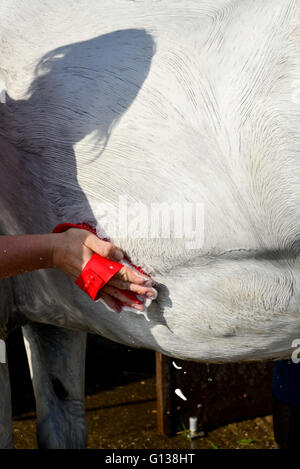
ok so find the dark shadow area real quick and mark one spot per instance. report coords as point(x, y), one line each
point(79, 90)
point(108, 364)
point(217, 394)
point(23, 418)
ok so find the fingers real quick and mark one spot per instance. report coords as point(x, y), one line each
point(138, 289)
point(79, 247)
point(104, 248)
point(128, 275)
point(118, 295)
point(111, 302)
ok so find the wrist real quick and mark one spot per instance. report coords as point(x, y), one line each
point(47, 247)
point(52, 257)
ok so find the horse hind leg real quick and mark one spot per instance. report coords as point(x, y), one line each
point(57, 363)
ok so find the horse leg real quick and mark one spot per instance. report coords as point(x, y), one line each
point(57, 362)
point(6, 436)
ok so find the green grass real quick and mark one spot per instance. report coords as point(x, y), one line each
point(245, 441)
point(212, 444)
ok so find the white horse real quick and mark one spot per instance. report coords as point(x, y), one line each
point(182, 104)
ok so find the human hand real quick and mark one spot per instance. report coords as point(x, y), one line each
point(72, 249)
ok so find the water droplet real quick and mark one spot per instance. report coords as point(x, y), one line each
point(176, 366)
point(180, 394)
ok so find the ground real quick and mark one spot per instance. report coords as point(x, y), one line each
point(125, 417)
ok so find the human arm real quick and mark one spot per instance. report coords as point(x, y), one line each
point(69, 252)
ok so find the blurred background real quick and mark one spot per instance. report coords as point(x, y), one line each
point(131, 400)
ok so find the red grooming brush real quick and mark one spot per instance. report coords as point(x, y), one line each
point(99, 270)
